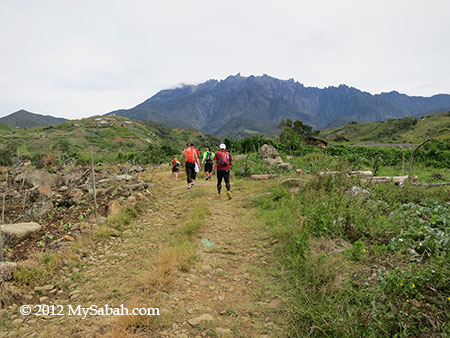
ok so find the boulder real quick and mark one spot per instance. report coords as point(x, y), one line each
point(267, 151)
point(197, 320)
point(37, 210)
point(35, 178)
point(40, 193)
point(16, 233)
point(113, 208)
point(7, 270)
point(284, 166)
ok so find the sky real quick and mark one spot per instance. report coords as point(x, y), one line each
point(78, 58)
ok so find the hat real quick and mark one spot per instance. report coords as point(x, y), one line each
point(223, 146)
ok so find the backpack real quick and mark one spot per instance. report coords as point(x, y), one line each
point(209, 158)
point(223, 159)
point(190, 156)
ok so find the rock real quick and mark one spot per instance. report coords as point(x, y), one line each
point(113, 208)
point(35, 178)
point(7, 270)
point(37, 210)
point(69, 238)
point(47, 287)
point(76, 195)
point(240, 157)
point(43, 299)
point(223, 331)
point(197, 320)
point(17, 322)
point(275, 303)
point(269, 152)
point(15, 233)
point(357, 191)
point(85, 227)
point(206, 267)
point(131, 200)
point(284, 166)
point(40, 193)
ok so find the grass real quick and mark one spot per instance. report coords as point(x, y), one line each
point(343, 276)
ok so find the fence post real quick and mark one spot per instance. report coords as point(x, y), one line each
point(93, 184)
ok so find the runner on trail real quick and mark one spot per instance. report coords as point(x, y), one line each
point(208, 159)
point(223, 161)
point(191, 157)
point(197, 167)
point(175, 168)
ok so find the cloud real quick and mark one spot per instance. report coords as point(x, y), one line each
point(79, 58)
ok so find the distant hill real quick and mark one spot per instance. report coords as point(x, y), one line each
point(25, 119)
point(242, 106)
point(106, 135)
point(406, 130)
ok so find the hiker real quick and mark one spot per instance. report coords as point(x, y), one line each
point(208, 160)
point(175, 168)
point(197, 166)
point(191, 157)
point(223, 161)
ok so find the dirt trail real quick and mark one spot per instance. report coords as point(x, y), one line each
point(204, 262)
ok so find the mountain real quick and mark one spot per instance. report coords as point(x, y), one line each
point(406, 130)
point(257, 104)
point(25, 119)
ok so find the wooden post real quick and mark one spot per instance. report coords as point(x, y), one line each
point(412, 156)
point(93, 184)
point(403, 161)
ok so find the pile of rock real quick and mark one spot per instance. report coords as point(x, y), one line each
point(272, 157)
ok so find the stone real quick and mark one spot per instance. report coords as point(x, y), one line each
point(43, 299)
point(47, 287)
point(206, 267)
point(35, 178)
point(223, 331)
point(7, 270)
point(131, 200)
point(197, 320)
point(113, 208)
point(76, 195)
point(69, 238)
point(37, 210)
point(267, 151)
point(16, 233)
point(40, 193)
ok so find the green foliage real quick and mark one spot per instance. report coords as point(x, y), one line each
point(367, 287)
point(9, 152)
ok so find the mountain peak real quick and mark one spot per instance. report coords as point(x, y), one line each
point(25, 119)
point(259, 103)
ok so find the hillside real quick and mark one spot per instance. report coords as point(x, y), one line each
point(108, 136)
point(259, 103)
point(25, 119)
point(406, 130)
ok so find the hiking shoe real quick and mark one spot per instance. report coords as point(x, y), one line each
point(229, 195)
point(219, 196)
point(189, 187)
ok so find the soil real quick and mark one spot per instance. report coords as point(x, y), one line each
point(229, 290)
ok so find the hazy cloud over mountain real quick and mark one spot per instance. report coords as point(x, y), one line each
point(79, 58)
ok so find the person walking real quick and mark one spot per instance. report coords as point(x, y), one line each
point(223, 162)
point(208, 160)
point(175, 168)
point(191, 158)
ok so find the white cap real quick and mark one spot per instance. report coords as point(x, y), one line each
point(223, 146)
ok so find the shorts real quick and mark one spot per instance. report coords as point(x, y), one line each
point(175, 169)
point(208, 167)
